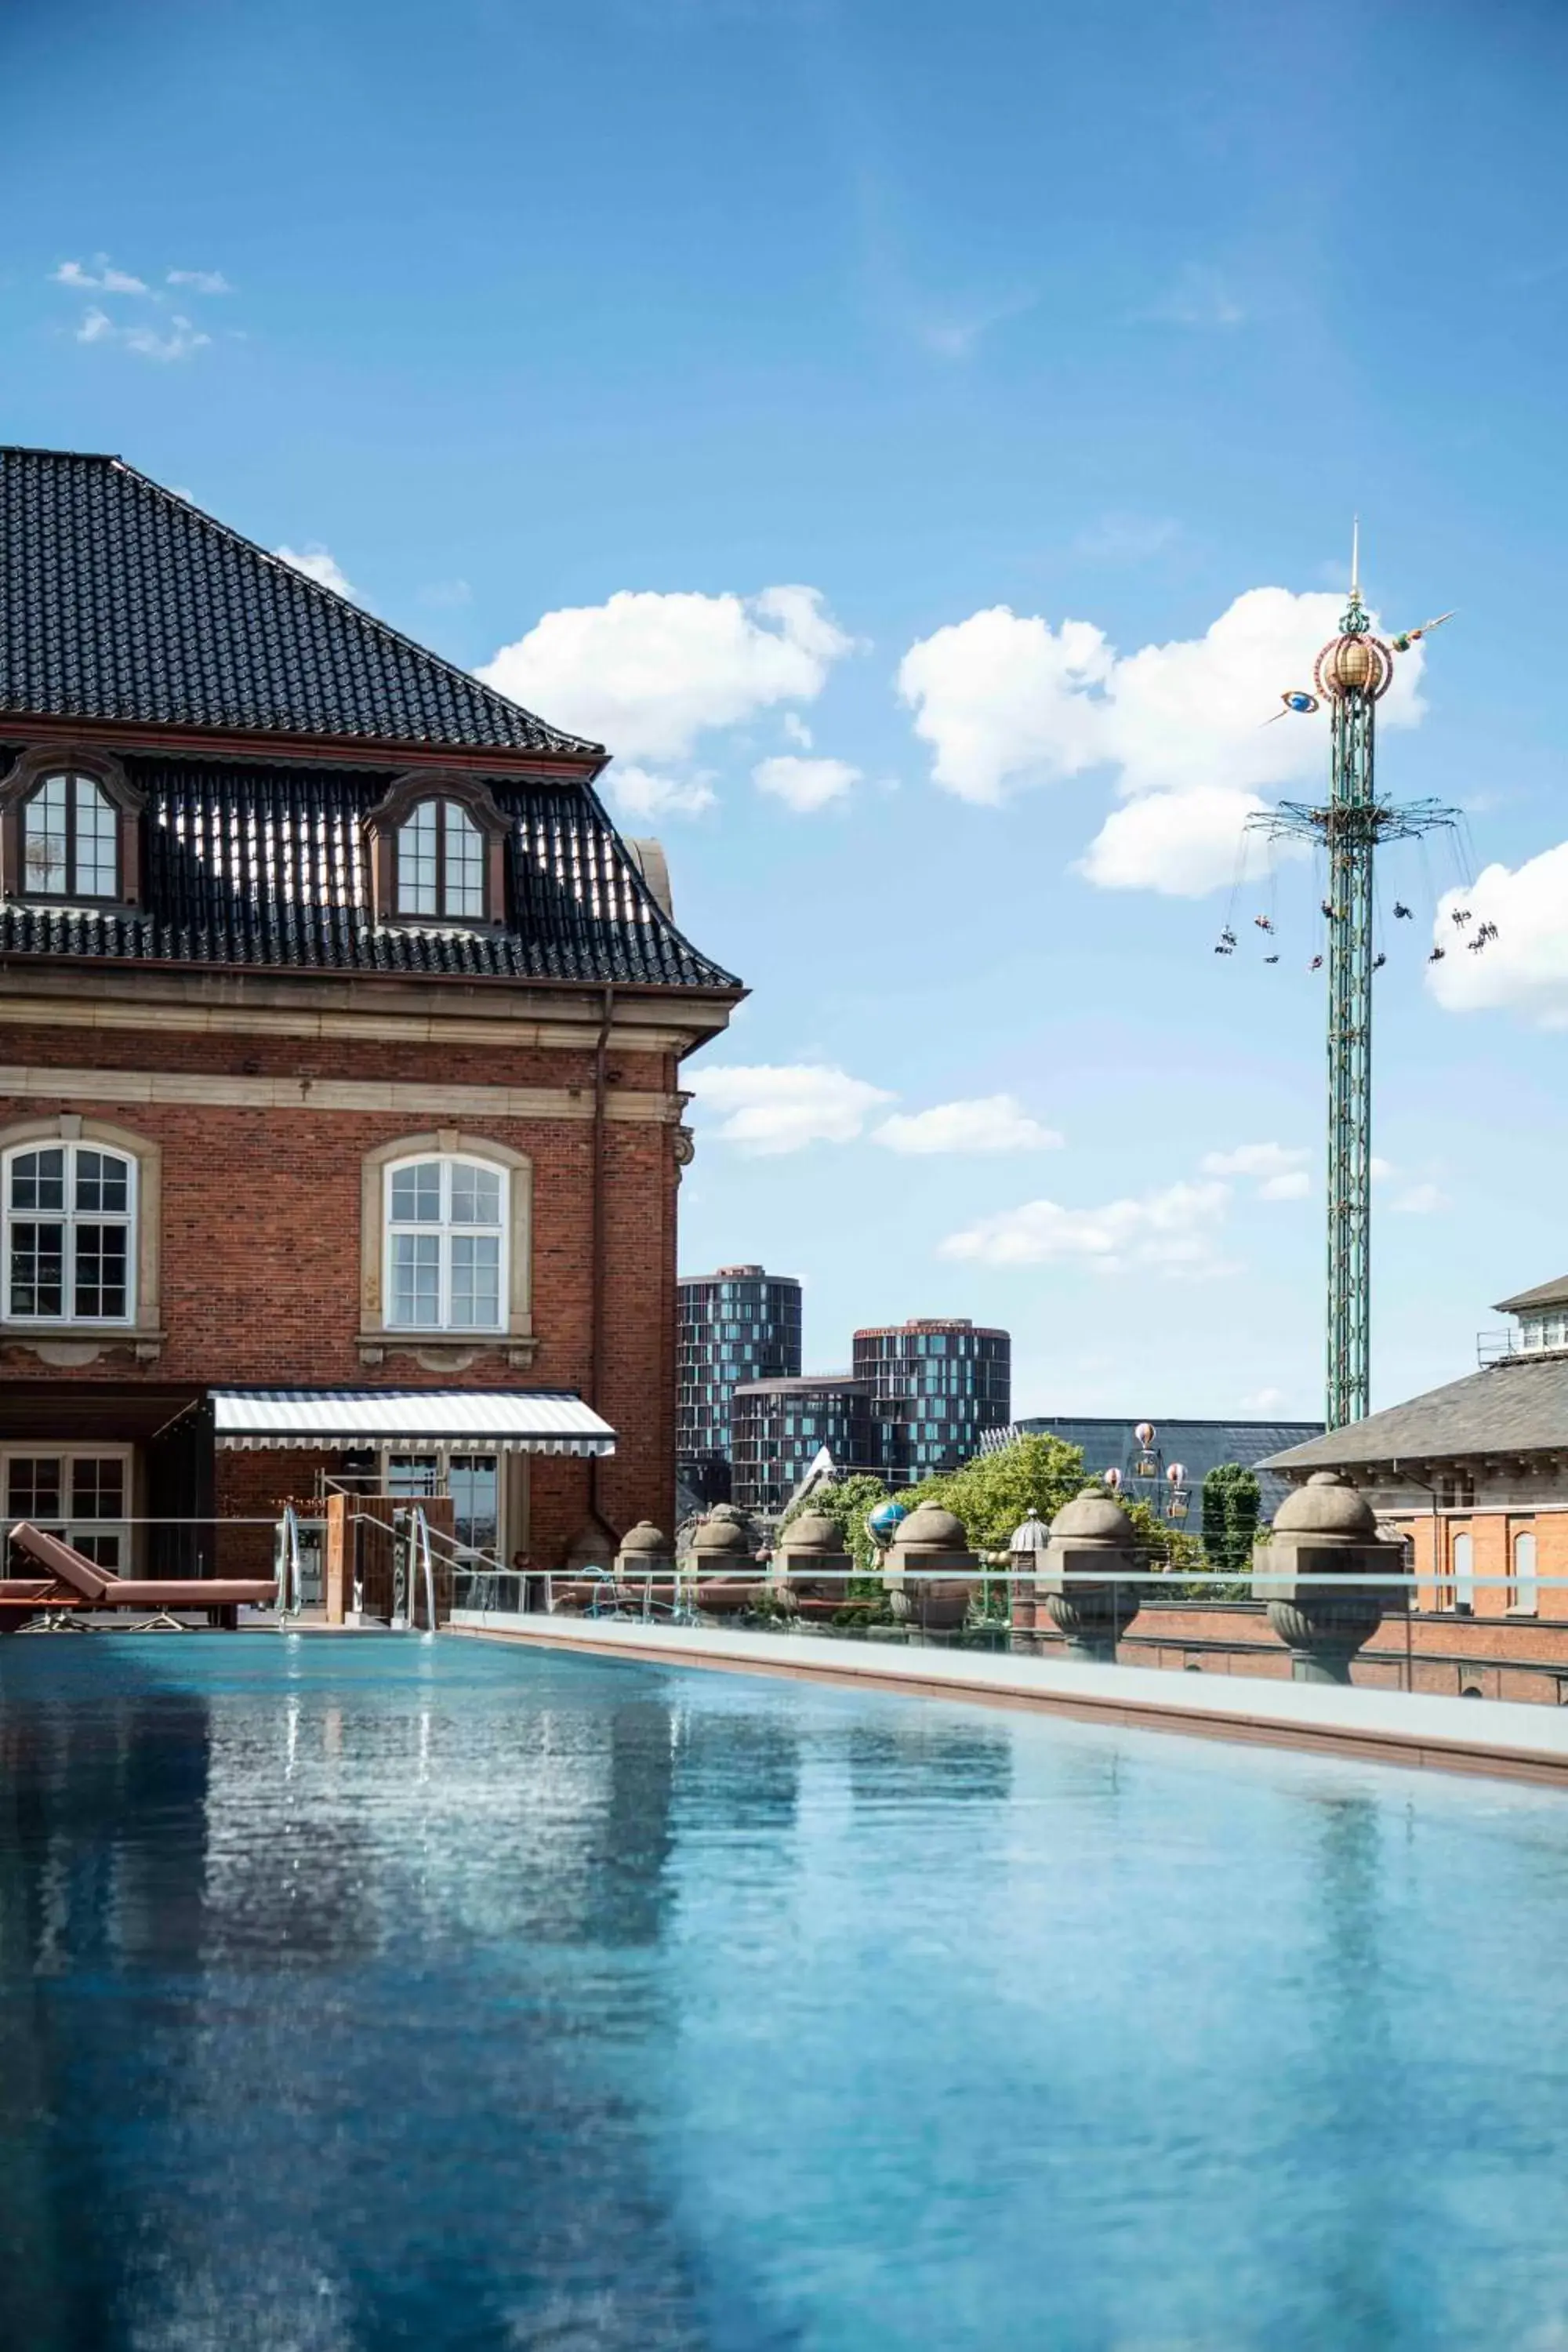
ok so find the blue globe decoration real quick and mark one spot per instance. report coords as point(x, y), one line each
point(882, 1524)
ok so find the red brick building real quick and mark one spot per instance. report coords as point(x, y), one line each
point(340, 1057)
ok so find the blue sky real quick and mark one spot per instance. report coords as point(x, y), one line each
point(837, 404)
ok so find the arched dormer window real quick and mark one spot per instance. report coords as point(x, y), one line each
point(440, 861)
point(71, 830)
point(436, 846)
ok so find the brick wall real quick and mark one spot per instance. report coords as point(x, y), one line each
point(260, 1246)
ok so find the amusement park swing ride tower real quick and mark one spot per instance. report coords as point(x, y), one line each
point(1353, 672)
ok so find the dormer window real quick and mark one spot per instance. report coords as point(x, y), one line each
point(71, 847)
point(71, 829)
point(438, 851)
point(441, 863)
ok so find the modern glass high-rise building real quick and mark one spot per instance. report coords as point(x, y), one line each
point(937, 1386)
point(781, 1426)
point(736, 1325)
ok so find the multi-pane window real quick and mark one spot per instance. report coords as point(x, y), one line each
point(70, 845)
point(440, 862)
point(446, 1246)
point(68, 1215)
point(77, 1495)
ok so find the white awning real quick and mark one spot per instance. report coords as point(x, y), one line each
point(478, 1420)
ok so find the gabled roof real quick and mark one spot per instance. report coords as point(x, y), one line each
point(1545, 1294)
point(259, 864)
point(120, 602)
point(1517, 1406)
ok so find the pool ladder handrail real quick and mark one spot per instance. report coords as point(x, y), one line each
point(290, 1575)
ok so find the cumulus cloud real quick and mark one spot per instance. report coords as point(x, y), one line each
point(1279, 1171)
point(96, 326)
point(317, 562)
point(101, 277)
point(647, 673)
point(1006, 701)
point(200, 281)
point(178, 343)
point(985, 1123)
point(639, 793)
point(1525, 968)
point(1420, 1201)
point(805, 785)
point(1174, 1230)
point(768, 1109)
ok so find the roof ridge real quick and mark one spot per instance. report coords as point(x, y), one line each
point(292, 573)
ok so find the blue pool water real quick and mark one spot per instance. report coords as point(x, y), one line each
point(376, 1992)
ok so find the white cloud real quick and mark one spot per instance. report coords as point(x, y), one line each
point(1199, 298)
point(1007, 701)
point(805, 785)
point(180, 342)
point(647, 673)
point(101, 278)
point(1525, 967)
point(1382, 1170)
point(317, 562)
point(985, 1123)
point(95, 326)
point(1180, 843)
point(1174, 1230)
point(1294, 1187)
point(639, 793)
point(767, 1109)
point(795, 731)
point(201, 281)
point(1420, 1201)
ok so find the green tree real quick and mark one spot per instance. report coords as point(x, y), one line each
point(996, 1492)
point(1231, 1507)
point(845, 1502)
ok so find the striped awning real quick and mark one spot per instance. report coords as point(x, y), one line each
point(476, 1421)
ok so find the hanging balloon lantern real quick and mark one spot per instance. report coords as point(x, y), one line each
point(1113, 1480)
point(1144, 1433)
point(1176, 1476)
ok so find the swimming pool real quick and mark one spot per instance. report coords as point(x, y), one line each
point(370, 1991)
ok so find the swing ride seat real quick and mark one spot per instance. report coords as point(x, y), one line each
point(79, 1582)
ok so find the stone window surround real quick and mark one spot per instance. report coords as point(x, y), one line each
point(127, 802)
point(447, 1351)
point(384, 822)
point(66, 1345)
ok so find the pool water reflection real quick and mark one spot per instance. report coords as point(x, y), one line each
point(371, 1993)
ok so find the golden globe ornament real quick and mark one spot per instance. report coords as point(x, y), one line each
point(1354, 664)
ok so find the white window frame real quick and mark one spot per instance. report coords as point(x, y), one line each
point(444, 1232)
point(67, 1452)
point(1524, 1591)
point(129, 1218)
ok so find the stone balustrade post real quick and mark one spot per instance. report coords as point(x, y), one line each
point(1081, 1580)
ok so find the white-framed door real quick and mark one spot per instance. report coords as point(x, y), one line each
point(81, 1492)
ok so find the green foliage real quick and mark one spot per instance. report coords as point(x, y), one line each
point(845, 1502)
point(1232, 1501)
point(996, 1492)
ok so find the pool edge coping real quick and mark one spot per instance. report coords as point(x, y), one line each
point(1413, 1751)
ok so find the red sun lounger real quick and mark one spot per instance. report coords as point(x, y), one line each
point(88, 1586)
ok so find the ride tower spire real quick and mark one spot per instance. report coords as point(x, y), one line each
point(1352, 673)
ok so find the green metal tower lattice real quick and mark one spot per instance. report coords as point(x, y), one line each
point(1353, 672)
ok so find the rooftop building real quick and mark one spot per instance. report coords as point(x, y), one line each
point(736, 1326)
point(938, 1384)
point(781, 1426)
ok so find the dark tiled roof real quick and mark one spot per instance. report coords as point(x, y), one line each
point(1545, 1294)
point(264, 866)
point(1517, 1406)
point(120, 602)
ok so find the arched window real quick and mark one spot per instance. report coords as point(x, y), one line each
point(70, 839)
point(1524, 1585)
point(446, 1221)
point(440, 863)
point(69, 1213)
